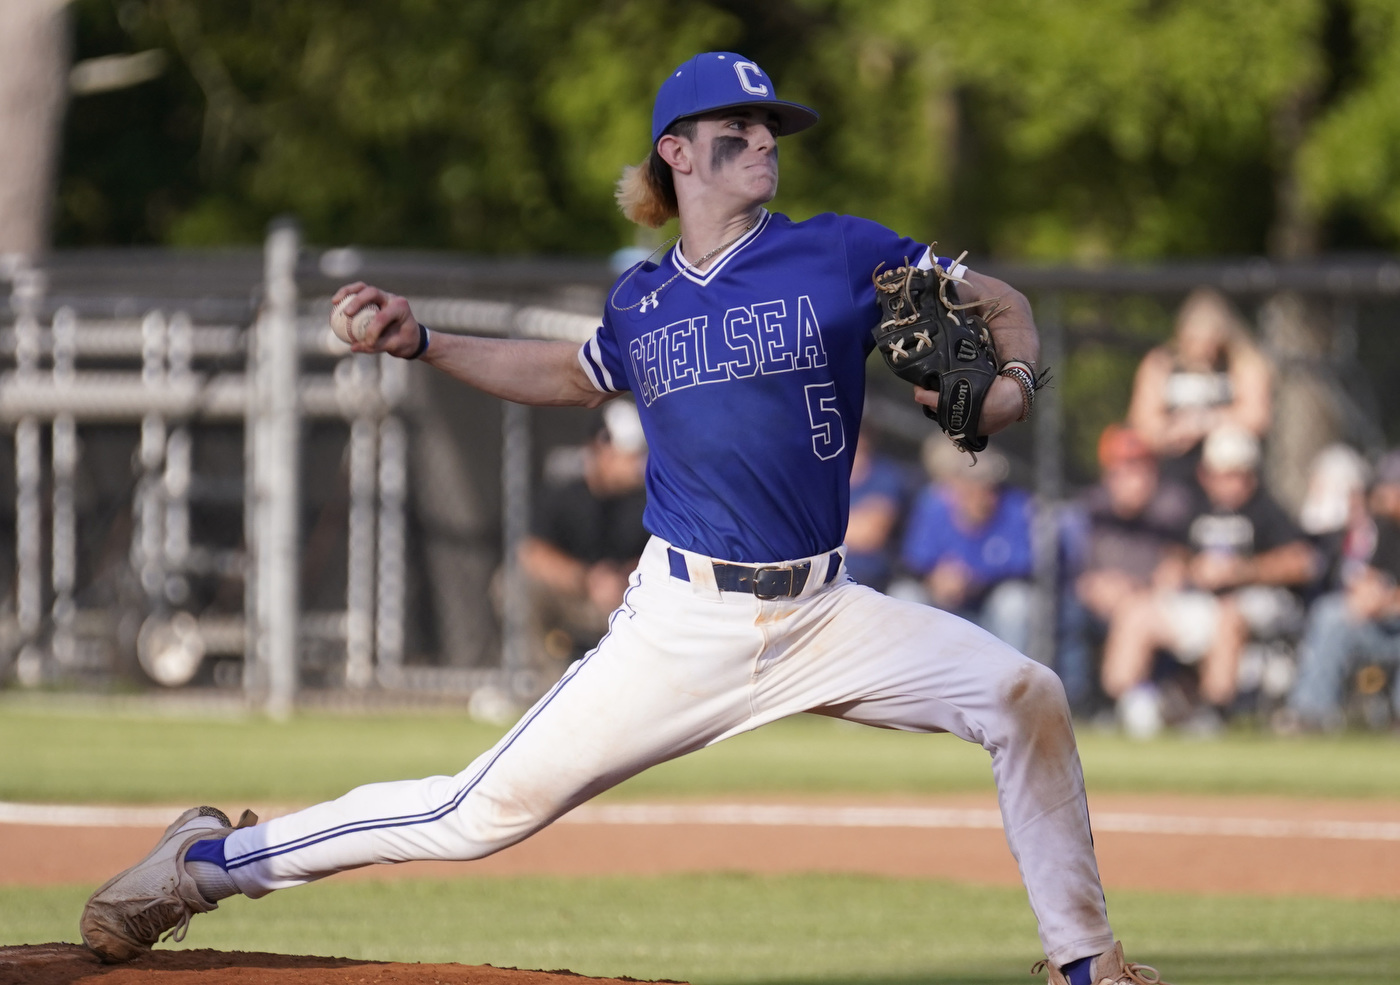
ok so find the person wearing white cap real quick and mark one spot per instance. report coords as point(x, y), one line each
point(1246, 563)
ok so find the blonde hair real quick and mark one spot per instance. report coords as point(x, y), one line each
point(646, 192)
point(1235, 335)
point(645, 195)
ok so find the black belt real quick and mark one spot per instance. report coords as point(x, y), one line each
point(764, 581)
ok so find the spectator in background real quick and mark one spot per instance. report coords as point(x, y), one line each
point(968, 538)
point(1334, 512)
point(1211, 374)
point(1132, 538)
point(1247, 562)
point(586, 538)
point(878, 495)
point(1137, 524)
point(1360, 623)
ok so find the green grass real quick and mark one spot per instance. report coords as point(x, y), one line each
point(709, 929)
point(76, 756)
point(716, 929)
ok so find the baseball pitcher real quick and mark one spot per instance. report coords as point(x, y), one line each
point(744, 343)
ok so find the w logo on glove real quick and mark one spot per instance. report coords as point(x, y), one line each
point(930, 340)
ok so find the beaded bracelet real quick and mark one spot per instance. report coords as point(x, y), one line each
point(1021, 373)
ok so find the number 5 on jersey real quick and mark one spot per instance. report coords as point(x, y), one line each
point(828, 436)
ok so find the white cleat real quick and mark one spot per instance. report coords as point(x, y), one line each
point(129, 913)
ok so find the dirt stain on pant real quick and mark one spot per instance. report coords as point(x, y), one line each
point(1035, 701)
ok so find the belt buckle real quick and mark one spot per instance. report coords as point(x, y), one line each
point(767, 588)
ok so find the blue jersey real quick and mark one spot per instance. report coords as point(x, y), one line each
point(750, 380)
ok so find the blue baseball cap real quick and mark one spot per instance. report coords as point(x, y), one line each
point(722, 80)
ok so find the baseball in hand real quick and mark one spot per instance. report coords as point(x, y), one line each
point(352, 330)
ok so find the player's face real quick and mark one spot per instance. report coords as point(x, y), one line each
point(737, 151)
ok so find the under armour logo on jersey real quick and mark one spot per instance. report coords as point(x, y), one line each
point(749, 74)
point(652, 300)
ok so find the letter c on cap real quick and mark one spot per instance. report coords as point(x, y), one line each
point(748, 74)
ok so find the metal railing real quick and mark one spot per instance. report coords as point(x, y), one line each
point(166, 349)
point(153, 378)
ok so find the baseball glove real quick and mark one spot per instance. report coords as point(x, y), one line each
point(931, 340)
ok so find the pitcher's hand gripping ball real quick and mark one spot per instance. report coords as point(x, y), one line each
point(931, 340)
point(351, 330)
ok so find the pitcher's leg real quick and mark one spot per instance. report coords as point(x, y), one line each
point(628, 705)
point(902, 665)
point(436, 817)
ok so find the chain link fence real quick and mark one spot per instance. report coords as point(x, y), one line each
point(200, 487)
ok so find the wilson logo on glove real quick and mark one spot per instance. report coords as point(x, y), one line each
point(958, 406)
point(953, 355)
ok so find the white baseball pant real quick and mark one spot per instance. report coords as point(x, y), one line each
point(684, 666)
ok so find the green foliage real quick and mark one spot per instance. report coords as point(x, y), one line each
point(1354, 156)
point(1111, 128)
point(1063, 129)
point(424, 124)
point(725, 928)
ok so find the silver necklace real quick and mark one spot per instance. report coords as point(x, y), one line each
point(612, 298)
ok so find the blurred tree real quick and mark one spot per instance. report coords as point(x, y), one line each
point(1056, 129)
point(1128, 128)
point(33, 85)
point(129, 163)
point(1351, 159)
point(384, 123)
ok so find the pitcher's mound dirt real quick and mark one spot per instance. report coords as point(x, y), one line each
point(73, 964)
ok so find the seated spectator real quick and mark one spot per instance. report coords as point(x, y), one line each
point(1210, 374)
point(586, 538)
point(1358, 624)
point(878, 494)
point(1136, 523)
point(968, 538)
point(1247, 562)
point(1334, 512)
point(1133, 536)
